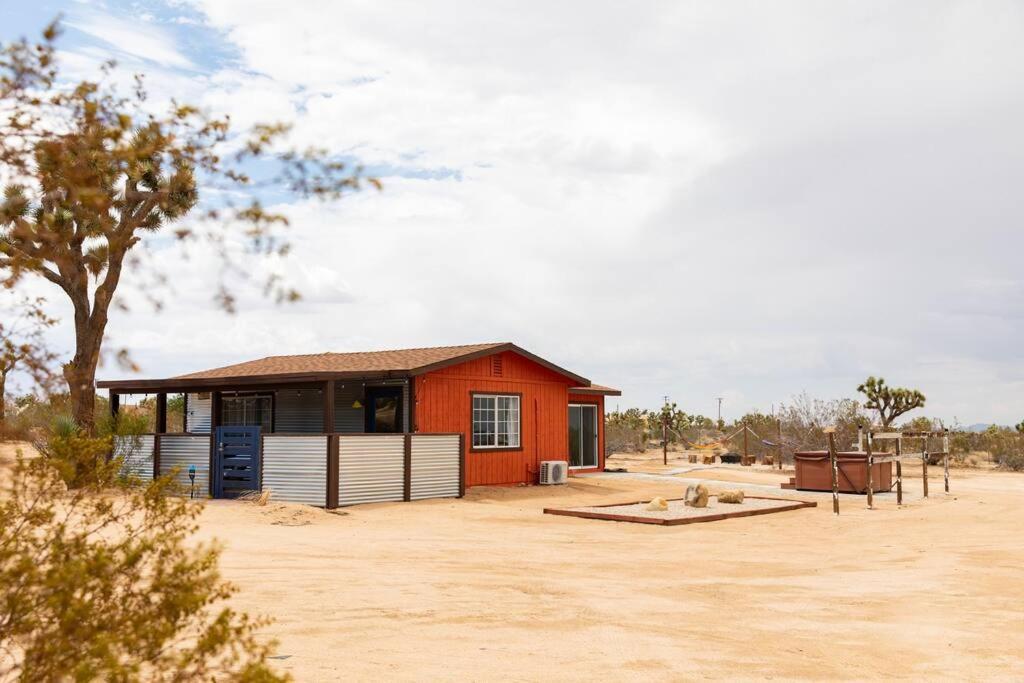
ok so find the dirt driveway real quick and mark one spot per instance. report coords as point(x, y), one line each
point(488, 588)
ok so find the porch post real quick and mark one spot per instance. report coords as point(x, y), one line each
point(115, 404)
point(161, 428)
point(214, 423)
point(214, 410)
point(161, 413)
point(328, 390)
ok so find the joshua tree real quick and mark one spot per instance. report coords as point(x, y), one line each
point(890, 402)
point(91, 173)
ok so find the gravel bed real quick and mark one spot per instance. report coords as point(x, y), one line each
point(677, 510)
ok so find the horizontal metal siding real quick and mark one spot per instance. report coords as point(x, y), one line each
point(299, 411)
point(137, 451)
point(197, 420)
point(435, 466)
point(371, 469)
point(349, 420)
point(183, 451)
point(295, 468)
point(346, 418)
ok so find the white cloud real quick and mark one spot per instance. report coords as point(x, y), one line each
point(675, 198)
point(138, 37)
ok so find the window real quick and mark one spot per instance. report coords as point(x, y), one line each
point(243, 411)
point(495, 421)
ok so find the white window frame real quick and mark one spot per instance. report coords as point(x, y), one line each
point(516, 408)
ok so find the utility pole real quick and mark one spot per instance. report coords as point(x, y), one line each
point(720, 399)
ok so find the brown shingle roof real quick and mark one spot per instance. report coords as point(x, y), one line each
point(595, 389)
point(400, 360)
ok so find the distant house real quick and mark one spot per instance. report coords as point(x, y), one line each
point(379, 417)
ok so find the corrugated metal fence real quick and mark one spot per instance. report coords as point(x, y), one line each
point(183, 451)
point(301, 468)
point(435, 463)
point(371, 468)
point(295, 468)
point(137, 452)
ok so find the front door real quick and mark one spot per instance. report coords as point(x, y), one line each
point(237, 461)
point(582, 435)
point(384, 410)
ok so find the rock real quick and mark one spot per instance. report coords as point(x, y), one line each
point(733, 497)
point(658, 504)
point(697, 496)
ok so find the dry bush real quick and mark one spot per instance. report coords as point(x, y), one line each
point(804, 420)
point(102, 581)
point(1004, 445)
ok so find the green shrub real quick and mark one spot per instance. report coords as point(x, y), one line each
point(106, 584)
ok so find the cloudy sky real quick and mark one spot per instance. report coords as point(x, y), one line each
point(735, 199)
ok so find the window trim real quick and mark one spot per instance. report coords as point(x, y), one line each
point(598, 425)
point(495, 449)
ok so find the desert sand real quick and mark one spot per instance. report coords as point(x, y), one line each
point(489, 588)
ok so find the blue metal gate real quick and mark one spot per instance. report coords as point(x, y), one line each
point(237, 465)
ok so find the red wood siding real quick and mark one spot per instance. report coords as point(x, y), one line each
point(598, 401)
point(443, 404)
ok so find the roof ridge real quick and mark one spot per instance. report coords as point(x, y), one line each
point(347, 353)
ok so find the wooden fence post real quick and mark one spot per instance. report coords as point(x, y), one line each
point(746, 448)
point(945, 458)
point(664, 440)
point(833, 462)
point(924, 465)
point(869, 461)
point(333, 470)
point(407, 466)
point(899, 472)
point(778, 428)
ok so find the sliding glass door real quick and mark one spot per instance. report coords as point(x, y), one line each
point(582, 435)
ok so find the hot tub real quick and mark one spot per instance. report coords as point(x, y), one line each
point(814, 472)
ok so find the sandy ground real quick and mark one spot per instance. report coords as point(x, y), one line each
point(488, 588)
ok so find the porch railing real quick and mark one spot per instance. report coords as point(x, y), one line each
point(317, 469)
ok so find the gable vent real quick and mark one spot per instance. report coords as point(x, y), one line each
point(496, 366)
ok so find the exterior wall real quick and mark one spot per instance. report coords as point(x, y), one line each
point(588, 399)
point(197, 416)
point(349, 420)
point(444, 404)
point(300, 411)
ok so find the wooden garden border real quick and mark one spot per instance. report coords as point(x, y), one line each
point(794, 505)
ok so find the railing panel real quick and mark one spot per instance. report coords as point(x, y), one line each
point(137, 452)
point(295, 468)
point(371, 468)
point(435, 466)
point(183, 451)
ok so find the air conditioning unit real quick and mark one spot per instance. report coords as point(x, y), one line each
point(554, 471)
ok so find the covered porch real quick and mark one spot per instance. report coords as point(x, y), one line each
point(328, 441)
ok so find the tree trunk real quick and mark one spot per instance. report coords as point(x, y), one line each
point(3, 402)
point(80, 374)
point(90, 326)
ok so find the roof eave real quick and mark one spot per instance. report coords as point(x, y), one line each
point(596, 391)
point(187, 383)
